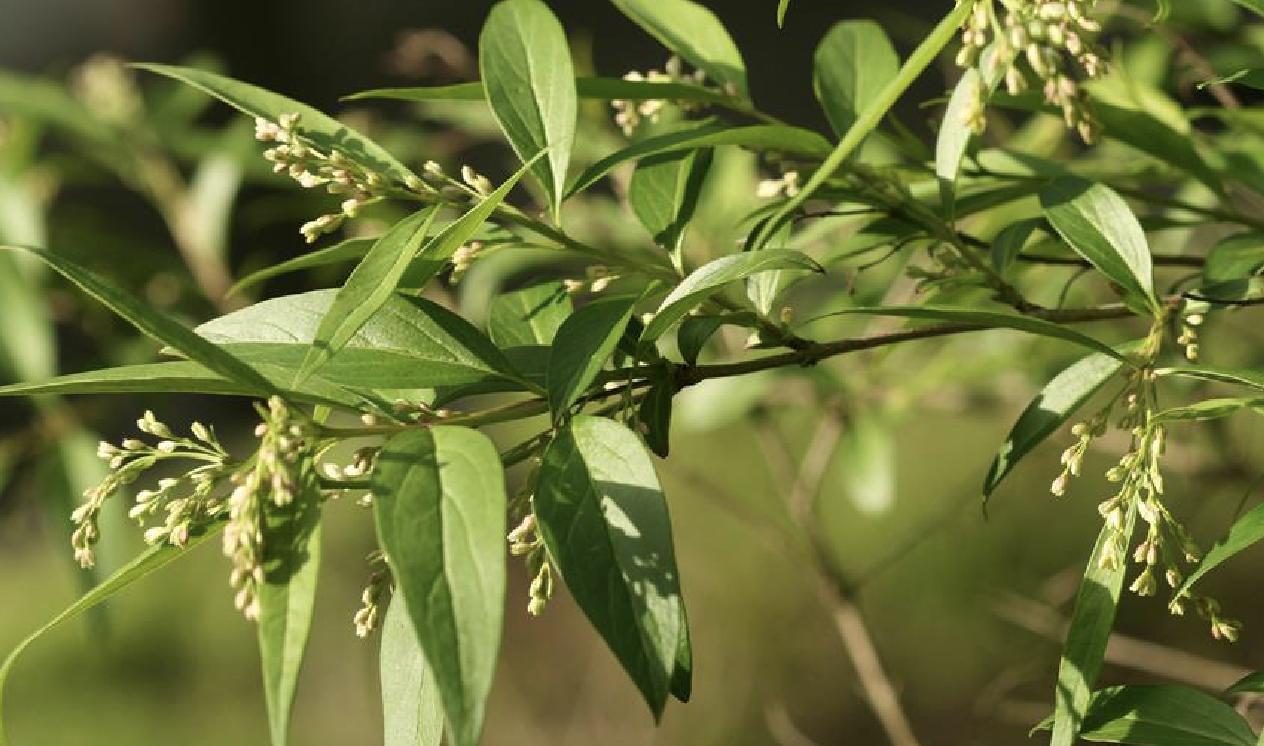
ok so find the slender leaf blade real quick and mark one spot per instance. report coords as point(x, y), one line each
point(604, 519)
point(1162, 715)
point(693, 32)
point(343, 251)
point(412, 710)
point(584, 343)
point(439, 504)
point(852, 64)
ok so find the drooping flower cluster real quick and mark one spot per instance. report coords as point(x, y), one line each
point(1167, 547)
point(630, 114)
point(270, 484)
point(188, 501)
point(338, 173)
point(369, 615)
point(525, 541)
point(1056, 40)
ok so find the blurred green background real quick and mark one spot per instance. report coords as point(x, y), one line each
point(165, 194)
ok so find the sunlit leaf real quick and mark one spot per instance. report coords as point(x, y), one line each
point(584, 343)
point(412, 710)
point(693, 32)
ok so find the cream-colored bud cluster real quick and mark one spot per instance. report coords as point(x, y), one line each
point(1056, 40)
point(1167, 548)
point(629, 115)
point(525, 541)
point(369, 615)
point(1189, 335)
point(787, 185)
point(337, 172)
point(270, 484)
point(596, 279)
point(187, 500)
point(463, 258)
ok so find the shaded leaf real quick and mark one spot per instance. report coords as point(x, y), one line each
point(664, 193)
point(154, 323)
point(693, 32)
point(1009, 243)
point(343, 251)
point(971, 317)
point(954, 136)
point(324, 131)
point(530, 316)
point(655, 411)
point(852, 64)
point(1234, 258)
point(696, 330)
point(711, 277)
point(1162, 715)
point(584, 343)
point(790, 140)
point(1245, 532)
point(603, 516)
point(1052, 407)
point(439, 505)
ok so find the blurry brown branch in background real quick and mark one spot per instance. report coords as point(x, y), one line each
point(834, 589)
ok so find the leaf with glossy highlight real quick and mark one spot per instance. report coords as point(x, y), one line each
point(412, 710)
point(693, 32)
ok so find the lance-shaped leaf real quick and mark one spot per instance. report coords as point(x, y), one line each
point(409, 343)
point(526, 69)
point(154, 323)
point(530, 316)
point(696, 330)
point(954, 136)
point(782, 8)
point(853, 63)
point(790, 140)
point(323, 130)
point(1249, 684)
point(1162, 715)
point(440, 249)
point(1091, 622)
point(655, 412)
point(181, 376)
point(1053, 406)
point(1234, 258)
point(584, 343)
point(603, 516)
point(412, 710)
point(1256, 6)
point(708, 279)
point(151, 560)
point(1245, 532)
point(601, 89)
point(693, 32)
point(664, 192)
point(287, 596)
point(1210, 409)
point(343, 251)
point(974, 318)
point(370, 285)
point(1009, 243)
point(439, 504)
point(1249, 378)
point(1099, 226)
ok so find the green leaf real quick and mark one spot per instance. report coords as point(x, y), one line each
point(1249, 684)
point(1255, 6)
point(708, 279)
point(782, 7)
point(853, 63)
point(530, 316)
point(664, 193)
point(790, 140)
point(181, 377)
point(1091, 623)
point(1249, 378)
point(409, 343)
point(603, 89)
point(439, 504)
point(324, 131)
point(367, 289)
point(603, 516)
point(694, 331)
point(1099, 226)
point(343, 251)
point(1245, 532)
point(530, 83)
point(438, 250)
point(584, 343)
point(149, 561)
point(954, 136)
point(1009, 243)
point(1209, 409)
point(971, 317)
point(1053, 406)
point(287, 595)
point(1162, 715)
point(155, 324)
point(655, 411)
point(1142, 130)
point(693, 32)
point(1234, 258)
point(412, 710)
